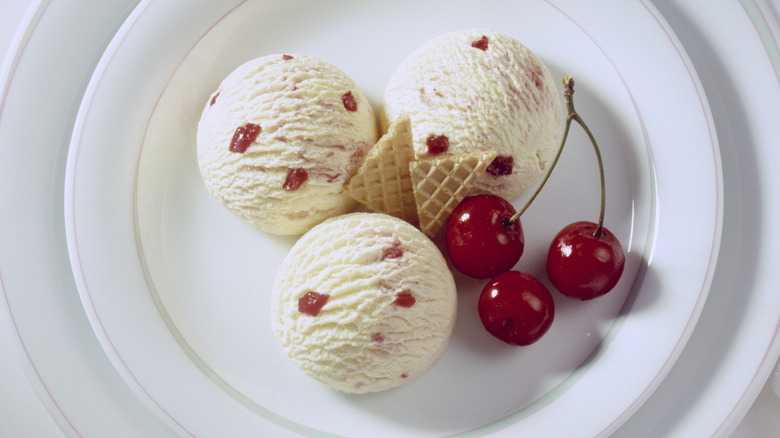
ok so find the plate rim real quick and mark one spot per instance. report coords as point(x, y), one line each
point(29, 46)
point(742, 404)
point(718, 220)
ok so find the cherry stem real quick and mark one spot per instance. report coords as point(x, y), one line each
point(568, 93)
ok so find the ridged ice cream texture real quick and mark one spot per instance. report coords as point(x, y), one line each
point(362, 341)
point(502, 99)
point(297, 102)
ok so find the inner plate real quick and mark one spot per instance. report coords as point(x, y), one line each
point(177, 288)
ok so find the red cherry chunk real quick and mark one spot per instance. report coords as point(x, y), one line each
point(404, 299)
point(393, 252)
point(516, 308)
point(243, 137)
point(311, 303)
point(214, 99)
point(350, 104)
point(583, 265)
point(295, 179)
point(481, 44)
point(287, 57)
point(437, 144)
point(479, 242)
point(501, 165)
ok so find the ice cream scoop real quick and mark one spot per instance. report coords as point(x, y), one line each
point(364, 302)
point(280, 137)
point(479, 90)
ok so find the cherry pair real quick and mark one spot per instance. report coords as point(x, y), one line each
point(485, 239)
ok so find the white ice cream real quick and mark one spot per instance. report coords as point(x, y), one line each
point(315, 127)
point(390, 303)
point(497, 95)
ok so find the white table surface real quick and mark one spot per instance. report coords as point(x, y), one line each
point(23, 415)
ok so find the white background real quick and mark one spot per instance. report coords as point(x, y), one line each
point(23, 415)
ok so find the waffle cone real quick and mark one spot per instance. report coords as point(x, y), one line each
point(440, 183)
point(382, 183)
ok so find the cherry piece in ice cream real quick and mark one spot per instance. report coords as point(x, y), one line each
point(437, 144)
point(350, 104)
point(481, 44)
point(535, 77)
point(295, 179)
point(501, 165)
point(393, 252)
point(243, 137)
point(404, 299)
point(311, 303)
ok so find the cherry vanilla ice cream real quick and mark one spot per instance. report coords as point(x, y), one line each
point(280, 137)
point(364, 302)
point(478, 90)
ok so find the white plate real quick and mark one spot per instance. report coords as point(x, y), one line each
point(43, 80)
point(706, 393)
point(737, 340)
point(176, 288)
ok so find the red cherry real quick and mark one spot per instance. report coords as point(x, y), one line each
point(349, 101)
point(480, 243)
point(516, 308)
point(583, 265)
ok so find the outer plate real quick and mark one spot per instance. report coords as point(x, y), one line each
point(736, 343)
point(42, 82)
point(191, 336)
